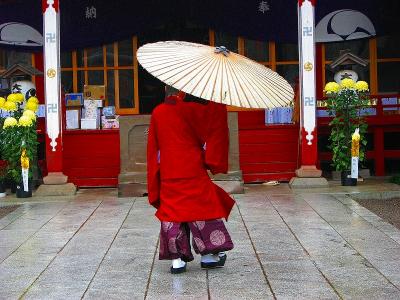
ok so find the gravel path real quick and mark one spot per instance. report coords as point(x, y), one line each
point(388, 210)
point(5, 210)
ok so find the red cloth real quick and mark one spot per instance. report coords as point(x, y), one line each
point(178, 182)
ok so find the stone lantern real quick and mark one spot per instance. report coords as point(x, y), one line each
point(344, 64)
point(19, 77)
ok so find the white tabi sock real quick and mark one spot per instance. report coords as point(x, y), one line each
point(209, 258)
point(178, 263)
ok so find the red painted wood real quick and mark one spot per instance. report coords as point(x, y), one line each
point(391, 153)
point(94, 182)
point(92, 157)
point(319, 68)
point(268, 148)
point(313, 2)
point(269, 167)
point(45, 5)
point(258, 136)
point(251, 118)
point(383, 121)
point(95, 161)
point(249, 178)
point(267, 152)
point(39, 80)
point(272, 157)
point(309, 152)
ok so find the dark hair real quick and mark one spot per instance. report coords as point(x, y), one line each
point(169, 91)
point(191, 98)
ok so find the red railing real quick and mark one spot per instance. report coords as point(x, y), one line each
point(382, 115)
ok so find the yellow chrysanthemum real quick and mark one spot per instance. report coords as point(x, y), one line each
point(347, 83)
point(12, 98)
point(2, 101)
point(10, 122)
point(331, 87)
point(30, 114)
point(33, 99)
point(16, 97)
point(25, 121)
point(361, 86)
point(31, 106)
point(19, 97)
point(10, 106)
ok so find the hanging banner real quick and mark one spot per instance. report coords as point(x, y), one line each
point(307, 68)
point(51, 32)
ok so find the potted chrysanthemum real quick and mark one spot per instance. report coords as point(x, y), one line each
point(3, 164)
point(19, 140)
point(344, 103)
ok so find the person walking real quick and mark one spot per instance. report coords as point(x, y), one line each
point(185, 140)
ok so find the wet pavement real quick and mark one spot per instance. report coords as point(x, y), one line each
point(289, 244)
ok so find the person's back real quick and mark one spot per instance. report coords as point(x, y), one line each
point(181, 149)
point(185, 139)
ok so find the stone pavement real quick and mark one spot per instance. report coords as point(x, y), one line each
point(289, 244)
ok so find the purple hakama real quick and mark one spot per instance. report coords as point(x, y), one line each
point(209, 237)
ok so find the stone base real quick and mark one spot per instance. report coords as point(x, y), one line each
point(132, 189)
point(55, 178)
point(298, 182)
point(336, 175)
point(67, 189)
point(231, 186)
point(308, 171)
point(362, 173)
point(140, 189)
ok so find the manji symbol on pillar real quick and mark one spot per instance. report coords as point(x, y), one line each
point(51, 33)
point(306, 29)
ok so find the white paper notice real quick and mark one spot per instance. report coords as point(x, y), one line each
point(25, 179)
point(354, 167)
point(72, 117)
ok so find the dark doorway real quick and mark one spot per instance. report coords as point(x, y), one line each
point(151, 90)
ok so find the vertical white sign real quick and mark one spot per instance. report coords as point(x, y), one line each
point(354, 167)
point(51, 33)
point(307, 67)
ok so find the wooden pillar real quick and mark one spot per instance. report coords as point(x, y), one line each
point(379, 150)
point(52, 90)
point(307, 83)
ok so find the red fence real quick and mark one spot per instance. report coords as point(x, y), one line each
point(383, 116)
point(270, 152)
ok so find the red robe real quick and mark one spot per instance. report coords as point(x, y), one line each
point(178, 182)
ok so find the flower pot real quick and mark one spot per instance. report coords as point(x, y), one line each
point(13, 187)
point(347, 180)
point(2, 189)
point(20, 193)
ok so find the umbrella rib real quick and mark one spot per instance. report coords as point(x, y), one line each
point(259, 71)
point(219, 70)
point(278, 83)
point(209, 62)
point(192, 69)
point(253, 86)
point(186, 63)
point(261, 83)
point(236, 79)
point(169, 63)
point(187, 67)
point(212, 66)
point(255, 95)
